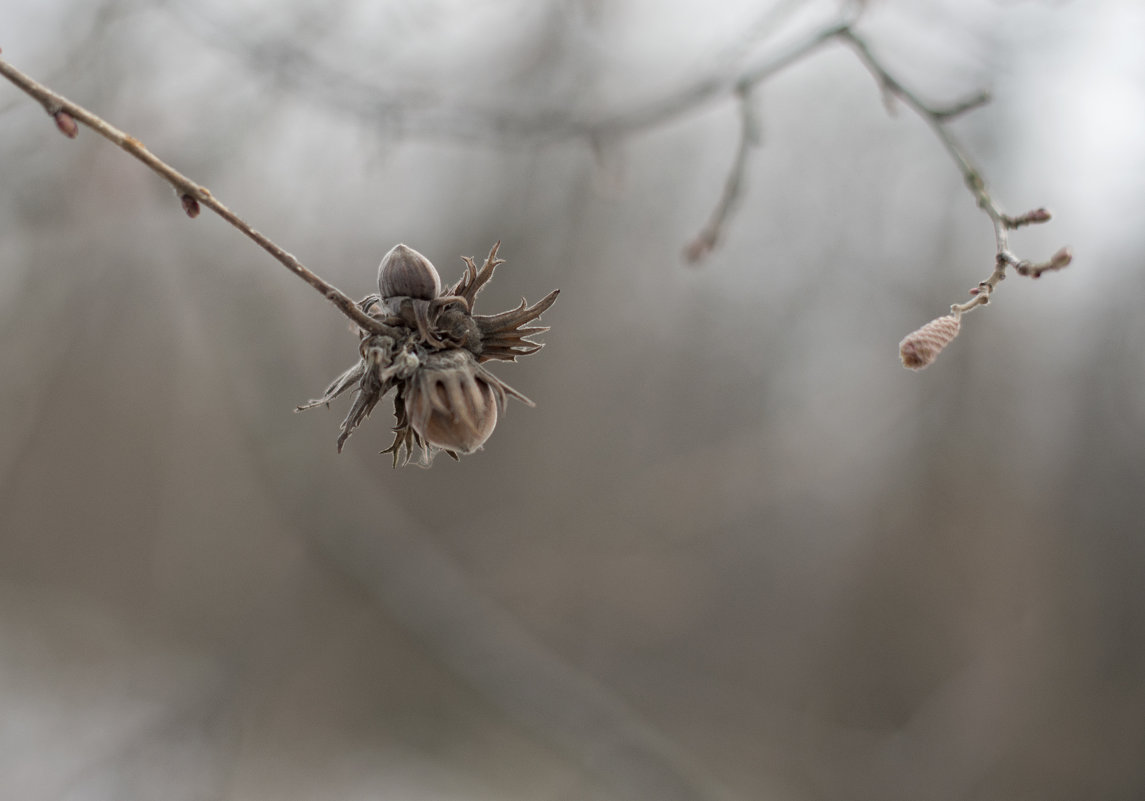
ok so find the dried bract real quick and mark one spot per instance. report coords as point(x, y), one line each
point(431, 354)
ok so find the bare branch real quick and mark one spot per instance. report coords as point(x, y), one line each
point(67, 114)
point(706, 241)
point(892, 89)
point(936, 119)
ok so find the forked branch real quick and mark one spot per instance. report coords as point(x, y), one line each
point(936, 119)
point(893, 90)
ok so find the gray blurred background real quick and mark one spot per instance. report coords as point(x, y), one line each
point(736, 552)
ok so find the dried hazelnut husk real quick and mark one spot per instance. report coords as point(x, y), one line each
point(451, 403)
point(431, 352)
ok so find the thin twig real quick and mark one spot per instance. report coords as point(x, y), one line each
point(418, 116)
point(190, 193)
point(711, 233)
point(936, 119)
point(705, 242)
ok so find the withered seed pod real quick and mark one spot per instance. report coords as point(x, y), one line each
point(432, 353)
point(451, 403)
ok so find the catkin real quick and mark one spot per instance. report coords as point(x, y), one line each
point(919, 348)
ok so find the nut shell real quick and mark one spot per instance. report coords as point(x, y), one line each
point(406, 273)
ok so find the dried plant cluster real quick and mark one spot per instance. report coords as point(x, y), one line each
point(431, 350)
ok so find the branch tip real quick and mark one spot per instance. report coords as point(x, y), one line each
point(1060, 260)
point(1040, 215)
point(700, 247)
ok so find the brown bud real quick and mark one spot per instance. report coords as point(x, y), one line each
point(190, 205)
point(67, 124)
point(451, 402)
point(922, 347)
point(406, 273)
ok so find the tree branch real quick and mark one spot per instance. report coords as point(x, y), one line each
point(706, 241)
point(67, 114)
point(560, 124)
point(936, 119)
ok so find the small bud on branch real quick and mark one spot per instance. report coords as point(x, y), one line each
point(67, 124)
point(191, 206)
